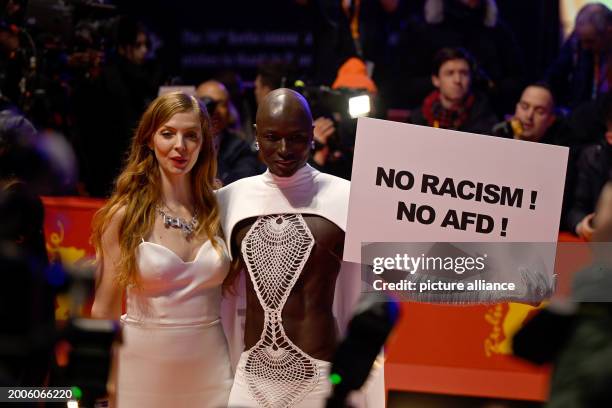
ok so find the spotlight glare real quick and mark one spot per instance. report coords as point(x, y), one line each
point(359, 106)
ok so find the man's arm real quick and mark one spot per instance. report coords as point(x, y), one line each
point(580, 214)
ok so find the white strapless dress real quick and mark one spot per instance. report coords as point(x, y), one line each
point(174, 352)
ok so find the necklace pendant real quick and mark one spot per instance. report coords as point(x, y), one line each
point(187, 228)
point(167, 221)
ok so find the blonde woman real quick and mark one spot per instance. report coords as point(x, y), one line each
point(157, 243)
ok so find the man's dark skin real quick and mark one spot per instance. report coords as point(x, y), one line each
point(285, 132)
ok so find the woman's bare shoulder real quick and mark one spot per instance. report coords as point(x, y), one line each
point(117, 215)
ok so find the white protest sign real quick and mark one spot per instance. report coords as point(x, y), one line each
point(419, 184)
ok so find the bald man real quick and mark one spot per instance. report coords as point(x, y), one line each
point(235, 159)
point(287, 228)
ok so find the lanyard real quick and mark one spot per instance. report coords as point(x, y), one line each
point(351, 9)
point(596, 74)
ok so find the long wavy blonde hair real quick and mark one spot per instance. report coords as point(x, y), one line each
point(138, 187)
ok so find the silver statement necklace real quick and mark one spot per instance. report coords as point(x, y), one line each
point(187, 227)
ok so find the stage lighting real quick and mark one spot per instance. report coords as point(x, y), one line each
point(359, 106)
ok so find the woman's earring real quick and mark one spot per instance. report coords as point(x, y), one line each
point(256, 146)
point(313, 144)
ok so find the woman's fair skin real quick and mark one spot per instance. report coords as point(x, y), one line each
point(176, 146)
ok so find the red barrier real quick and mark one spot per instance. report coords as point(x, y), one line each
point(67, 231)
point(461, 350)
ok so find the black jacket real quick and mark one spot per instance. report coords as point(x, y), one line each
point(235, 159)
point(593, 170)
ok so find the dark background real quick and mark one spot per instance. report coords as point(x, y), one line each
point(201, 38)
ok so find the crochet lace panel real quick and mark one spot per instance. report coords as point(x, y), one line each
point(275, 251)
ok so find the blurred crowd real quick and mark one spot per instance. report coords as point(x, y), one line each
point(71, 93)
point(73, 87)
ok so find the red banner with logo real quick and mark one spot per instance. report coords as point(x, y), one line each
point(462, 350)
